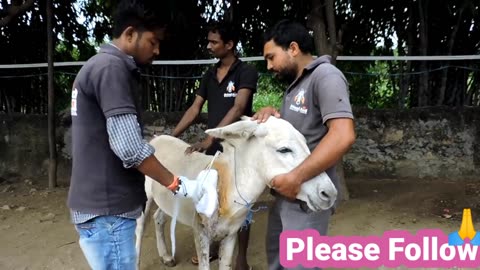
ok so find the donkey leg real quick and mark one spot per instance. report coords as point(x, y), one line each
point(202, 246)
point(139, 230)
point(226, 252)
point(160, 219)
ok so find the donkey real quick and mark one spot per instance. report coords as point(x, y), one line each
point(252, 155)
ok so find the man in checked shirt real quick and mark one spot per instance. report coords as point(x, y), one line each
point(110, 157)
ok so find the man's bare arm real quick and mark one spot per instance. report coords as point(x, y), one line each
point(155, 170)
point(190, 115)
point(238, 109)
point(338, 140)
point(232, 115)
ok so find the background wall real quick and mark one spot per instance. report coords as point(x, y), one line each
point(418, 143)
point(427, 142)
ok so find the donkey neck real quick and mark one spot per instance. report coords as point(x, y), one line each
point(239, 185)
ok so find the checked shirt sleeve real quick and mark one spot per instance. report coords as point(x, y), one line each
point(125, 138)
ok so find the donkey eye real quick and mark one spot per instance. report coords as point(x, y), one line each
point(284, 150)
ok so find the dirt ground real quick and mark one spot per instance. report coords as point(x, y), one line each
point(35, 232)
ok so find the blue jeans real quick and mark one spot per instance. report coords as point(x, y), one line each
point(108, 242)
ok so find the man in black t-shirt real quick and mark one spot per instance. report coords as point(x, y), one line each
point(229, 87)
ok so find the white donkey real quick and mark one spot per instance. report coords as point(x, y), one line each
point(252, 155)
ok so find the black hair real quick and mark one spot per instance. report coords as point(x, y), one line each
point(135, 13)
point(227, 31)
point(286, 31)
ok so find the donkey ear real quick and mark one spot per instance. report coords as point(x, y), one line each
point(241, 129)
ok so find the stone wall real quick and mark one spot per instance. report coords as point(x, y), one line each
point(427, 142)
point(418, 143)
point(23, 146)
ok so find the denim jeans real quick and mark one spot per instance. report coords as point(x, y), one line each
point(108, 242)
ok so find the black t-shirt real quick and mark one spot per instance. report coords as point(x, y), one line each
point(221, 95)
point(107, 85)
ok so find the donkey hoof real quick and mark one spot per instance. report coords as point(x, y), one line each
point(170, 262)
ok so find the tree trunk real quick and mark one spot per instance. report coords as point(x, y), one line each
point(404, 83)
point(7, 102)
point(423, 21)
point(332, 31)
point(456, 92)
point(321, 18)
point(52, 168)
point(230, 11)
point(316, 22)
point(451, 43)
point(406, 38)
point(410, 51)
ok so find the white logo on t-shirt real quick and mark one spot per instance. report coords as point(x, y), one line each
point(74, 102)
point(230, 90)
point(298, 104)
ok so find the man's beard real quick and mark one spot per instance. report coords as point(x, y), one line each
point(137, 50)
point(287, 75)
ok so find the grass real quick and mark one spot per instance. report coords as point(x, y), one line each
point(260, 99)
point(264, 99)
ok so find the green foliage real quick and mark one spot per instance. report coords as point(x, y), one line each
point(98, 14)
point(269, 84)
point(205, 107)
point(267, 99)
point(382, 94)
point(24, 40)
point(63, 88)
point(359, 85)
point(269, 92)
point(65, 76)
point(404, 27)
